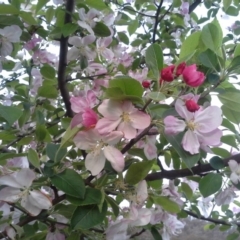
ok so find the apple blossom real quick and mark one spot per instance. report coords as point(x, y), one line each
point(122, 116)
point(101, 148)
point(192, 77)
point(102, 44)
point(202, 126)
point(235, 168)
point(18, 186)
point(225, 197)
point(191, 105)
point(167, 73)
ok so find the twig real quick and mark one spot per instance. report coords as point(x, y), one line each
point(194, 5)
point(156, 21)
point(138, 233)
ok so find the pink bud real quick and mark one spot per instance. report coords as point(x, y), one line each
point(191, 105)
point(90, 118)
point(192, 77)
point(180, 68)
point(167, 73)
point(146, 84)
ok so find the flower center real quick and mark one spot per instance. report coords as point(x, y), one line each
point(192, 125)
point(125, 117)
point(98, 147)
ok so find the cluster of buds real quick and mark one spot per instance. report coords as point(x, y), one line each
point(190, 75)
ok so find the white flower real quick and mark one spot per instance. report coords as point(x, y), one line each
point(235, 168)
point(225, 197)
point(19, 184)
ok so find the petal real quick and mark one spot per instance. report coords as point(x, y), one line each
point(142, 192)
point(75, 41)
point(150, 151)
point(127, 129)
point(144, 217)
point(78, 104)
point(108, 54)
point(190, 142)
point(234, 178)
point(115, 157)
point(27, 204)
point(212, 138)
point(38, 199)
point(77, 120)
point(140, 120)
point(25, 177)
point(10, 180)
point(208, 119)
point(86, 26)
point(113, 137)
point(95, 162)
point(173, 125)
point(73, 54)
point(182, 110)
point(13, 33)
point(106, 125)
point(233, 165)
point(10, 194)
point(6, 49)
point(88, 39)
point(110, 109)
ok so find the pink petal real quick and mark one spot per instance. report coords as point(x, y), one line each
point(182, 110)
point(212, 138)
point(142, 192)
point(127, 129)
point(233, 165)
point(190, 142)
point(106, 125)
point(88, 39)
point(113, 137)
point(150, 151)
point(173, 125)
point(95, 162)
point(77, 120)
point(208, 119)
point(115, 157)
point(110, 109)
point(144, 217)
point(140, 120)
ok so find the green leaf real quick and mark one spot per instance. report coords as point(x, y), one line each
point(8, 9)
point(28, 18)
point(86, 217)
point(232, 11)
point(232, 236)
point(229, 140)
point(49, 14)
point(97, 4)
point(70, 182)
point(226, 123)
point(231, 115)
point(237, 50)
point(217, 162)
point(138, 171)
point(187, 190)
point(68, 29)
point(33, 158)
point(123, 38)
point(156, 96)
point(41, 132)
point(210, 184)
point(8, 65)
point(226, 4)
point(154, 60)
point(167, 204)
point(189, 159)
point(40, 5)
point(208, 59)
point(190, 45)
point(10, 114)
point(48, 72)
point(55, 152)
point(101, 30)
point(133, 26)
point(211, 37)
point(230, 99)
point(221, 152)
point(114, 205)
point(155, 233)
point(48, 91)
point(68, 135)
point(92, 196)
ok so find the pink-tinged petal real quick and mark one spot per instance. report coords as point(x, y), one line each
point(111, 109)
point(144, 217)
point(25, 177)
point(95, 162)
point(140, 120)
point(10, 194)
point(107, 41)
point(39, 200)
point(128, 107)
point(208, 119)
point(212, 138)
point(90, 118)
point(142, 192)
point(78, 104)
point(11, 233)
point(234, 178)
point(86, 26)
point(92, 13)
point(190, 142)
point(6, 49)
point(127, 129)
point(150, 151)
point(182, 110)
point(233, 165)
point(108, 54)
point(106, 125)
point(115, 157)
point(87, 139)
point(27, 204)
point(82, 14)
point(13, 33)
point(173, 125)
point(75, 41)
point(91, 98)
point(88, 39)
point(77, 120)
point(113, 137)
point(73, 54)
point(10, 180)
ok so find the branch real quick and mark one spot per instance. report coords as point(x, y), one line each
point(197, 170)
point(138, 233)
point(156, 21)
point(204, 94)
point(63, 61)
point(194, 5)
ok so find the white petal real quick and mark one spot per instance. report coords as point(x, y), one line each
point(13, 33)
point(95, 162)
point(233, 165)
point(38, 199)
point(182, 110)
point(142, 192)
point(25, 177)
point(73, 54)
point(115, 157)
point(144, 217)
point(6, 49)
point(190, 142)
point(27, 204)
point(10, 194)
point(234, 178)
point(113, 137)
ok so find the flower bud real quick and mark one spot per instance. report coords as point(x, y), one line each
point(192, 77)
point(191, 105)
point(180, 69)
point(146, 84)
point(167, 73)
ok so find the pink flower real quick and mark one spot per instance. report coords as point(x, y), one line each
point(192, 77)
point(102, 44)
point(123, 116)
point(202, 126)
point(32, 43)
point(191, 105)
point(101, 148)
point(167, 73)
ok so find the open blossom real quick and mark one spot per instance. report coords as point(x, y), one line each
point(123, 116)
point(235, 168)
point(101, 148)
point(19, 187)
point(102, 44)
point(202, 126)
point(225, 197)
point(9, 35)
point(192, 77)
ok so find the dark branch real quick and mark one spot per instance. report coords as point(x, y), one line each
point(197, 170)
point(156, 21)
point(194, 5)
point(63, 61)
